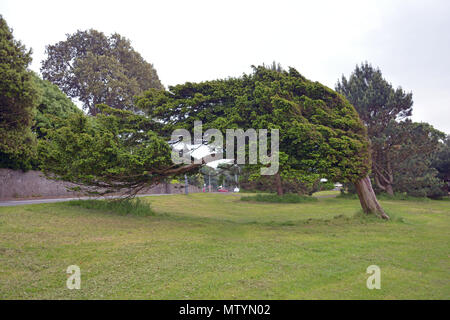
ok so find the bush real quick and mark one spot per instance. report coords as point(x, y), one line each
point(122, 207)
point(273, 198)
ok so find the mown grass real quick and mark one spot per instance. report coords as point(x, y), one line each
point(285, 198)
point(214, 246)
point(327, 193)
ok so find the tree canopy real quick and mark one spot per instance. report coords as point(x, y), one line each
point(52, 106)
point(96, 69)
point(320, 132)
point(116, 151)
point(376, 101)
point(415, 146)
point(401, 150)
point(18, 97)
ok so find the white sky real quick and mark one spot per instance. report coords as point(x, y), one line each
point(204, 40)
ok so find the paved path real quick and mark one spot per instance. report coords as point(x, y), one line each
point(35, 201)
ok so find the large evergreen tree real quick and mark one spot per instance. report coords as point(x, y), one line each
point(18, 97)
point(95, 69)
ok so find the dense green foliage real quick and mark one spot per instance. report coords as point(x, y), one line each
point(18, 97)
point(413, 171)
point(320, 132)
point(285, 198)
point(97, 69)
point(441, 162)
point(115, 151)
point(376, 101)
point(266, 183)
point(410, 160)
point(52, 107)
point(401, 150)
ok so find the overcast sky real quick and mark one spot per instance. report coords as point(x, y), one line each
point(204, 40)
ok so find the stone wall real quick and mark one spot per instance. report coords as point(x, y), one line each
point(16, 184)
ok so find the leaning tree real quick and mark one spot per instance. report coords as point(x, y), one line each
point(320, 133)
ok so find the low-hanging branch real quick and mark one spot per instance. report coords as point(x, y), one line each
point(116, 151)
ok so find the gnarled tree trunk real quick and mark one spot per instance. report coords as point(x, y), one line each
point(389, 190)
point(278, 184)
point(369, 201)
point(385, 179)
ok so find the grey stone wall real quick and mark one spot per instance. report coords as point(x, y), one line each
point(16, 184)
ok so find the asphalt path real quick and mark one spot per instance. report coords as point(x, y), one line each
point(10, 203)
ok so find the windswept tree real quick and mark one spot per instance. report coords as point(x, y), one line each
point(320, 131)
point(96, 69)
point(18, 98)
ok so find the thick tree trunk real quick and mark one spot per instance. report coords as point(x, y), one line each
point(369, 202)
point(278, 184)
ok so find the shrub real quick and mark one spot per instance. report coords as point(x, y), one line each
point(122, 207)
point(401, 196)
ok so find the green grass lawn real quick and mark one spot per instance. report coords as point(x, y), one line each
point(213, 246)
point(327, 193)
